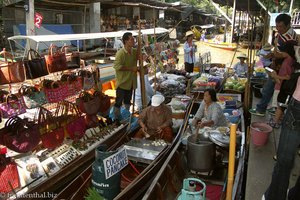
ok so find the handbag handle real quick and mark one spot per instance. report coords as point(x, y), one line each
point(6, 55)
point(50, 50)
point(11, 97)
point(31, 54)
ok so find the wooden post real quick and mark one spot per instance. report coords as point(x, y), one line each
point(142, 73)
point(30, 30)
point(233, 20)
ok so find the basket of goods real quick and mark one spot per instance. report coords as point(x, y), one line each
point(260, 72)
point(235, 85)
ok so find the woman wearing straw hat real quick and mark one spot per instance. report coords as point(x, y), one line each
point(241, 68)
point(265, 55)
point(189, 48)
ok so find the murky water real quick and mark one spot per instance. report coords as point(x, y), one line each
point(217, 55)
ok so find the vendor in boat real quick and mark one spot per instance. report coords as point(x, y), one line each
point(189, 48)
point(210, 112)
point(241, 67)
point(156, 120)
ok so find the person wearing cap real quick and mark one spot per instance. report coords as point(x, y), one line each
point(210, 112)
point(156, 120)
point(265, 55)
point(125, 66)
point(286, 36)
point(241, 67)
point(189, 48)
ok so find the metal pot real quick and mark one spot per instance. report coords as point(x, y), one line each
point(200, 154)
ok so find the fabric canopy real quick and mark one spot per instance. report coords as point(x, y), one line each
point(85, 36)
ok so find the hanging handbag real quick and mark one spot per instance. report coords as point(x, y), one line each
point(12, 106)
point(73, 59)
point(55, 91)
point(75, 125)
point(9, 176)
point(19, 135)
point(35, 65)
point(104, 103)
point(11, 71)
point(55, 60)
point(51, 133)
point(87, 103)
point(73, 81)
point(88, 81)
point(32, 97)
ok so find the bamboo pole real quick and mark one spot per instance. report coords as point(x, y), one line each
point(141, 71)
point(231, 163)
point(155, 78)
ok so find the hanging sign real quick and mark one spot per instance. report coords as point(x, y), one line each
point(115, 163)
point(38, 18)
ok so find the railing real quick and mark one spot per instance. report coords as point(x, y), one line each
point(296, 19)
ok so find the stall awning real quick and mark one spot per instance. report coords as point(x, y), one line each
point(85, 36)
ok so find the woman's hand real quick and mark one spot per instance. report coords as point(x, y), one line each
point(200, 124)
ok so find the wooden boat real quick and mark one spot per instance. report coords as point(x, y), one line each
point(168, 182)
point(75, 167)
point(222, 45)
point(130, 190)
point(245, 44)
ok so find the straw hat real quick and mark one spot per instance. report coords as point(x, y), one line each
point(242, 55)
point(189, 33)
point(157, 100)
point(267, 47)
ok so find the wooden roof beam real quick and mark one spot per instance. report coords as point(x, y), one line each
point(221, 11)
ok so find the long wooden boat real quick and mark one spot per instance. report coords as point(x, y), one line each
point(130, 190)
point(168, 183)
point(66, 174)
point(222, 45)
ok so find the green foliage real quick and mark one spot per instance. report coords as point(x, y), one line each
point(93, 195)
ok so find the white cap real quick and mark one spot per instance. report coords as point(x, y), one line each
point(157, 100)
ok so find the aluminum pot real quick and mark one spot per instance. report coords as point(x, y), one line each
point(200, 154)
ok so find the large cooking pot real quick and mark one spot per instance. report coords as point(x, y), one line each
point(200, 154)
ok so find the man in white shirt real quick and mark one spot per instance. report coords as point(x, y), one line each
point(118, 44)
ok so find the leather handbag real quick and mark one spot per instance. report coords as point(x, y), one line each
point(11, 71)
point(32, 97)
point(9, 176)
point(51, 133)
point(73, 58)
point(35, 65)
point(12, 106)
point(55, 60)
point(19, 135)
point(87, 103)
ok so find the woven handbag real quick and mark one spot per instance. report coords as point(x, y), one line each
point(52, 134)
point(9, 176)
point(32, 97)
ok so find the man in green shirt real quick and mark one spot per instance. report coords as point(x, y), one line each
point(126, 73)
